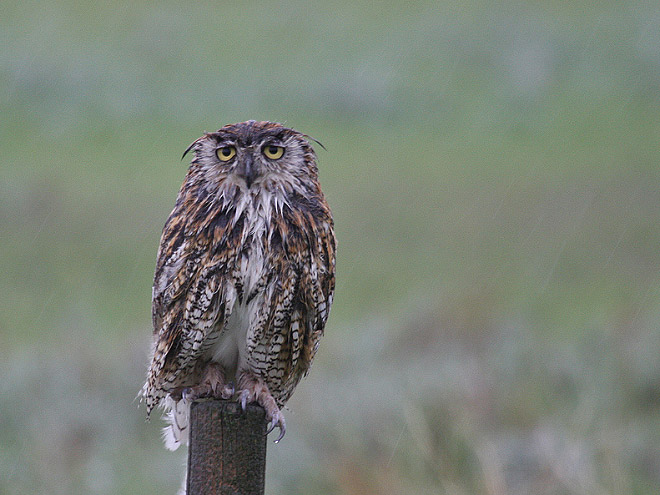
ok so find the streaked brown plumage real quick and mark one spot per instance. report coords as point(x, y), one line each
point(245, 274)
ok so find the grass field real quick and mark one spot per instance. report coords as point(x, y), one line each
point(494, 172)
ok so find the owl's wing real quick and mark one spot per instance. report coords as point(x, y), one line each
point(317, 286)
point(191, 296)
point(299, 287)
point(301, 301)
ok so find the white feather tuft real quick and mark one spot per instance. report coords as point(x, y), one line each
point(177, 414)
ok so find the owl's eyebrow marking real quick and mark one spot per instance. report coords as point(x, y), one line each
point(244, 138)
point(272, 140)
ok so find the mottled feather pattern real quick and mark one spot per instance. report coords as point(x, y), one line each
point(245, 270)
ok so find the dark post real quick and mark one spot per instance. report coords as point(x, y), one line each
point(227, 452)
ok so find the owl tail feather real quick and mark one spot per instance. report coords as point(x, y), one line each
point(177, 414)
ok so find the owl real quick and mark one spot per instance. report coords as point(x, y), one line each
point(245, 275)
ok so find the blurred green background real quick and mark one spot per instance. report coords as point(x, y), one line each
point(493, 168)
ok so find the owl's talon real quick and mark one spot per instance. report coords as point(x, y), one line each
point(228, 391)
point(243, 397)
point(187, 394)
point(282, 425)
point(211, 384)
point(253, 389)
point(277, 420)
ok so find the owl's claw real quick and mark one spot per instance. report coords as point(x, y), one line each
point(228, 391)
point(193, 393)
point(243, 398)
point(252, 389)
point(212, 384)
point(277, 420)
point(187, 394)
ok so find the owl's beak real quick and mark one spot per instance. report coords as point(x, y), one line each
point(247, 170)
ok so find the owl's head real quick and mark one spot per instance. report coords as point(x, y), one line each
point(255, 155)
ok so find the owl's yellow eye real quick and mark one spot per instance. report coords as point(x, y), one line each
point(226, 153)
point(273, 152)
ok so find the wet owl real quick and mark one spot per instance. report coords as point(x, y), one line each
point(245, 275)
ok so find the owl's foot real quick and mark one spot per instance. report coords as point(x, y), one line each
point(253, 389)
point(212, 384)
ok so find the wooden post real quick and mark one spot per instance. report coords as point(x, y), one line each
point(227, 450)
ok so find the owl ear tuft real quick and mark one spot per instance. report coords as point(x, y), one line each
point(316, 141)
point(192, 146)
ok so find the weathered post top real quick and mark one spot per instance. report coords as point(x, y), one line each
point(227, 449)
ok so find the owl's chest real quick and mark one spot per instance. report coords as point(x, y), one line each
point(252, 255)
point(251, 268)
point(229, 342)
